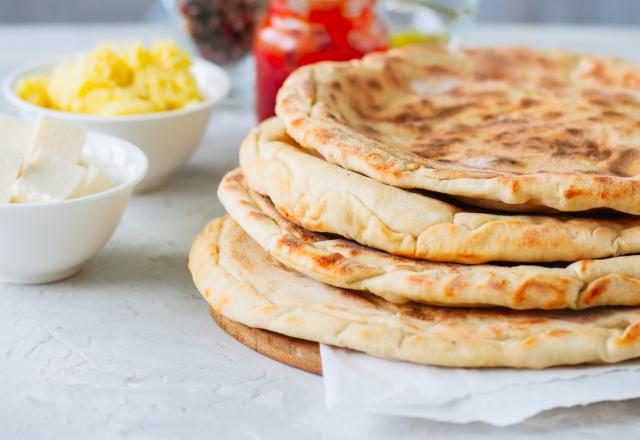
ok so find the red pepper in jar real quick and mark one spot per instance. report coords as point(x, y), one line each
point(298, 32)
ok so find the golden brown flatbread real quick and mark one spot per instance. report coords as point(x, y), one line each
point(511, 128)
point(243, 282)
point(342, 263)
point(327, 198)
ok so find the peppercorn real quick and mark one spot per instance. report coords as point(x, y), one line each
point(221, 29)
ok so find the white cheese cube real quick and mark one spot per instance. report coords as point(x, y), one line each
point(57, 137)
point(47, 178)
point(15, 134)
point(93, 183)
point(10, 164)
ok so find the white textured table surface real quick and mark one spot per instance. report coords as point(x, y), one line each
point(127, 349)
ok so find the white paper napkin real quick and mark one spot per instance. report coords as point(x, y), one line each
point(359, 382)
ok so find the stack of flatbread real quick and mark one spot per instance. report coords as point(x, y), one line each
point(470, 209)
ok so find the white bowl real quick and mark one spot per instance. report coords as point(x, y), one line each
point(45, 242)
point(167, 138)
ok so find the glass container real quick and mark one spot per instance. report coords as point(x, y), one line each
point(428, 21)
point(221, 31)
point(298, 32)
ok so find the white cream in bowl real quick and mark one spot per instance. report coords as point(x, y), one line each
point(42, 162)
point(45, 242)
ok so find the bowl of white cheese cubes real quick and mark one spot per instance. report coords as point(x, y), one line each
point(62, 194)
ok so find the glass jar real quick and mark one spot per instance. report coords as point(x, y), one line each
point(222, 31)
point(298, 32)
point(428, 21)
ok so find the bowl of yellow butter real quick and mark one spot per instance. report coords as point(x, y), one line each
point(155, 96)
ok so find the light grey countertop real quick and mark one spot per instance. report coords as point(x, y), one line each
point(126, 349)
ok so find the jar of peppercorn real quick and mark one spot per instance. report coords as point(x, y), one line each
point(222, 32)
point(298, 32)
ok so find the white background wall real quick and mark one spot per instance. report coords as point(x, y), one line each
point(558, 11)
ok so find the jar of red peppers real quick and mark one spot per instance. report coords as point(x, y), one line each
point(298, 32)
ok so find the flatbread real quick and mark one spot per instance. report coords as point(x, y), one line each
point(342, 263)
point(243, 282)
point(323, 197)
point(507, 127)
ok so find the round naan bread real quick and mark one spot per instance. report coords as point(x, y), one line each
point(342, 263)
point(323, 197)
point(508, 128)
point(240, 280)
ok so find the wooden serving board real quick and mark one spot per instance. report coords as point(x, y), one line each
point(297, 353)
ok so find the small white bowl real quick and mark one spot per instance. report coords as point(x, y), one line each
point(45, 242)
point(167, 138)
